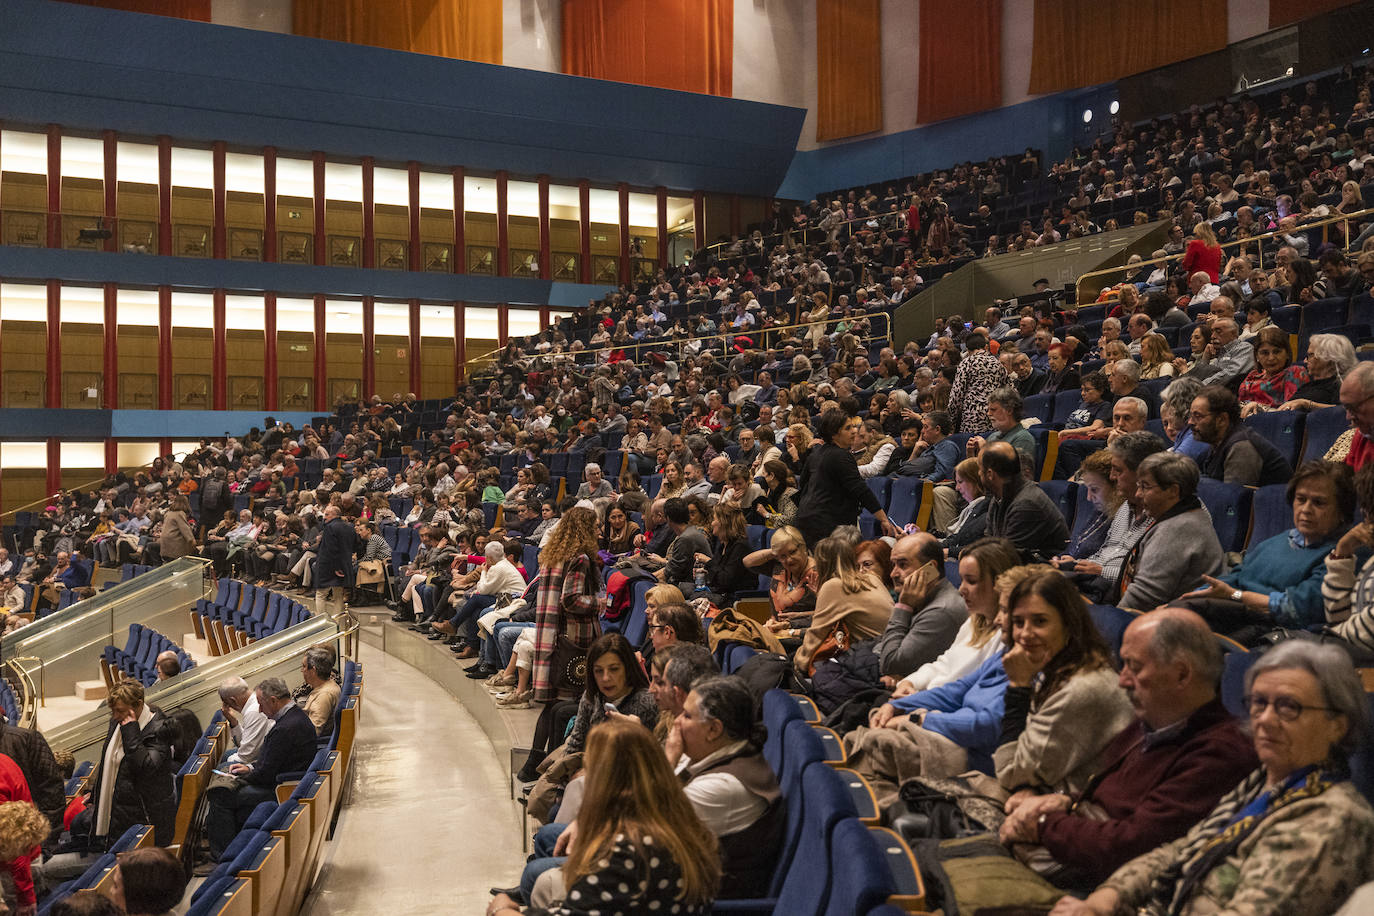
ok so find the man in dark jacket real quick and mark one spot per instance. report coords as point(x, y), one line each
point(134, 781)
point(1239, 454)
point(288, 748)
point(28, 749)
point(1020, 510)
point(334, 561)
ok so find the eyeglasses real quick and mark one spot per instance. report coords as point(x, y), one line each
point(1286, 708)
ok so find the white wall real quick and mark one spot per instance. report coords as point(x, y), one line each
point(901, 63)
point(774, 56)
point(1018, 39)
point(267, 15)
point(532, 35)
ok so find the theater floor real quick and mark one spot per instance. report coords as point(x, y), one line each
point(428, 826)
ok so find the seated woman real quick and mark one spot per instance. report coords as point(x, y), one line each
point(1279, 584)
point(742, 493)
point(780, 492)
point(973, 519)
point(1275, 378)
point(793, 571)
point(1180, 547)
point(1092, 419)
point(1294, 837)
point(1175, 402)
point(1156, 359)
point(1330, 357)
point(1348, 588)
point(1198, 340)
point(1095, 476)
point(847, 597)
point(618, 532)
point(981, 565)
point(725, 569)
point(640, 845)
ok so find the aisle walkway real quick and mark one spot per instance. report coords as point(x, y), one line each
point(429, 826)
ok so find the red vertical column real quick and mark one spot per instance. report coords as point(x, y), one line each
point(369, 212)
point(623, 191)
point(545, 316)
point(699, 218)
point(503, 324)
point(111, 456)
point(413, 187)
point(369, 346)
point(584, 206)
point(53, 396)
point(415, 365)
point(111, 188)
point(460, 342)
point(321, 255)
point(460, 252)
point(54, 477)
point(164, 197)
point(54, 221)
point(220, 232)
point(164, 348)
point(219, 356)
point(662, 194)
point(545, 232)
point(269, 204)
point(109, 357)
point(502, 230)
point(164, 446)
point(734, 214)
point(321, 363)
point(269, 353)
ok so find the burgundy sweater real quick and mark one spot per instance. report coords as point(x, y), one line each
point(1150, 796)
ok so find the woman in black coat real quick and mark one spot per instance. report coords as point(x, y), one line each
point(143, 790)
point(831, 489)
point(725, 569)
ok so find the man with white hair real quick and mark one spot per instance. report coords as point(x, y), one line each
point(499, 577)
point(1227, 358)
point(247, 725)
point(1202, 288)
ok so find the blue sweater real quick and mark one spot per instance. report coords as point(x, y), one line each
point(1290, 572)
point(967, 711)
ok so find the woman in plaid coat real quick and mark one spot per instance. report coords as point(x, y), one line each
point(569, 601)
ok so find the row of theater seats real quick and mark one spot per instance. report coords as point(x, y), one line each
point(241, 613)
point(269, 867)
point(99, 876)
point(127, 571)
point(139, 656)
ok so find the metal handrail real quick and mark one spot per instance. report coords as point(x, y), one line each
point(774, 237)
point(29, 715)
point(1235, 243)
point(725, 337)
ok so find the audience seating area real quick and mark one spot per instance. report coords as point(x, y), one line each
point(240, 614)
point(139, 656)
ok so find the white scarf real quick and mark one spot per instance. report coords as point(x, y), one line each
point(114, 755)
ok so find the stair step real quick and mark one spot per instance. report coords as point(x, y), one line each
point(90, 690)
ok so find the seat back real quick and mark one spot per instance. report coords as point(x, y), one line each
point(1282, 429)
point(1111, 622)
point(1065, 496)
point(1322, 428)
point(1229, 505)
point(1270, 514)
point(860, 878)
point(778, 709)
point(806, 889)
point(1234, 666)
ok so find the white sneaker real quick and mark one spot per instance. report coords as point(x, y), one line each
point(519, 700)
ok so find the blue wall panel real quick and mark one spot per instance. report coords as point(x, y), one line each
point(25, 424)
point(153, 75)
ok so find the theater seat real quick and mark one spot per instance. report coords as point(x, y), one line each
point(1270, 514)
point(778, 710)
point(1321, 430)
point(1229, 505)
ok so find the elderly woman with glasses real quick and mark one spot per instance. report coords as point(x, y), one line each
point(1295, 836)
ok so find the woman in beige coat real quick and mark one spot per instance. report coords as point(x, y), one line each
point(178, 537)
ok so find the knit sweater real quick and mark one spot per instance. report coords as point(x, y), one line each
point(916, 637)
point(1171, 558)
point(967, 711)
point(1349, 600)
point(1289, 574)
point(1063, 737)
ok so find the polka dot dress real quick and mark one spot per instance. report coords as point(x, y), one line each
point(634, 877)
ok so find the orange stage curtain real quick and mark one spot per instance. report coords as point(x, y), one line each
point(1287, 12)
point(1085, 42)
point(198, 10)
point(960, 58)
point(672, 44)
point(849, 68)
point(465, 29)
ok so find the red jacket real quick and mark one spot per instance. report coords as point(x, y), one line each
point(1199, 256)
point(1150, 797)
point(13, 787)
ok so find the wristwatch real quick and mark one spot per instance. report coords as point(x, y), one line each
point(1237, 595)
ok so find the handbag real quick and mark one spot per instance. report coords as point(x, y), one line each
point(568, 667)
point(370, 572)
point(836, 642)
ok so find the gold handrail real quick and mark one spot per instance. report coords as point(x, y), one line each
point(29, 715)
point(1234, 243)
point(724, 336)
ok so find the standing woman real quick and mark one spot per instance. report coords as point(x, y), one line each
point(1203, 253)
point(567, 604)
point(831, 489)
point(178, 538)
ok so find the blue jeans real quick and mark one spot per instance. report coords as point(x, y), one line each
point(542, 858)
point(467, 615)
point(497, 650)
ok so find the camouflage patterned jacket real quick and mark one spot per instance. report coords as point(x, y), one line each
point(1304, 858)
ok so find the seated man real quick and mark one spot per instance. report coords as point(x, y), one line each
point(1020, 510)
point(928, 612)
point(1158, 777)
point(288, 748)
point(1129, 415)
point(317, 670)
point(247, 724)
point(1239, 455)
point(934, 454)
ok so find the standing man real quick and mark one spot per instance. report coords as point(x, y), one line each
point(334, 562)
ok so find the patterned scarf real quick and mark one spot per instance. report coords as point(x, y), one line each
point(1233, 819)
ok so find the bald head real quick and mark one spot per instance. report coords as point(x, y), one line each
point(913, 551)
point(1171, 665)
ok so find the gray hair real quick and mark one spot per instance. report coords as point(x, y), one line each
point(232, 687)
point(1133, 448)
point(688, 664)
point(1335, 674)
point(1178, 396)
point(275, 688)
point(1114, 322)
point(1174, 638)
point(1127, 367)
point(1334, 348)
point(1170, 469)
point(1136, 404)
point(1009, 399)
point(1363, 373)
point(728, 701)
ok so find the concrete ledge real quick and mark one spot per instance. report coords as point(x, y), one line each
point(504, 728)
